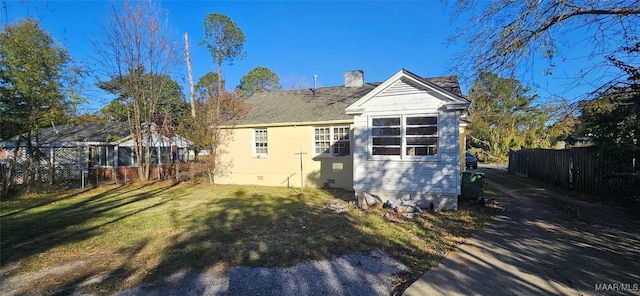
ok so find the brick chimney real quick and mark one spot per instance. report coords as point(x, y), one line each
point(354, 78)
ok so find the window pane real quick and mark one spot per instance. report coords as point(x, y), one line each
point(385, 131)
point(261, 148)
point(124, 156)
point(322, 147)
point(422, 150)
point(154, 155)
point(341, 149)
point(165, 155)
point(422, 141)
point(340, 133)
point(94, 156)
point(322, 134)
point(386, 151)
point(431, 130)
point(422, 120)
point(394, 121)
point(109, 155)
point(386, 141)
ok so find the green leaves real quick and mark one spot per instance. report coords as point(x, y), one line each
point(503, 118)
point(170, 101)
point(259, 79)
point(223, 38)
point(33, 72)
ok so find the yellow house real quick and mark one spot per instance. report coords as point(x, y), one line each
point(400, 139)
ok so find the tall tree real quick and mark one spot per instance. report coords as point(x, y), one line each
point(259, 79)
point(507, 37)
point(35, 77)
point(136, 51)
point(503, 119)
point(225, 41)
point(34, 74)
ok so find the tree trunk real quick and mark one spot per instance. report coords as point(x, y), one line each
point(191, 87)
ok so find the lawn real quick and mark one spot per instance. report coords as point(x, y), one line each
point(117, 237)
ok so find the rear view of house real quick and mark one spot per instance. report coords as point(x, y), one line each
point(400, 139)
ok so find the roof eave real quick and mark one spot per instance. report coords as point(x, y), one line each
point(292, 123)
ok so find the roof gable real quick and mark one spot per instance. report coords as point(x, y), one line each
point(414, 91)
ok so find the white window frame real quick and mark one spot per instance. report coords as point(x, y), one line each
point(259, 142)
point(333, 139)
point(403, 137)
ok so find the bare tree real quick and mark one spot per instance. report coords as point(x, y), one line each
point(209, 129)
point(506, 37)
point(135, 50)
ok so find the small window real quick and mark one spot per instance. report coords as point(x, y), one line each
point(332, 141)
point(260, 142)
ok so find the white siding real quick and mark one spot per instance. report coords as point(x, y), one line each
point(429, 180)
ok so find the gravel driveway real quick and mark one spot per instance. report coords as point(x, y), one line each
point(354, 274)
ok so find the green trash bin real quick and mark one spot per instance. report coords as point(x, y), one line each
point(472, 186)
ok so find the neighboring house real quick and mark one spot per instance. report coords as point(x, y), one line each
point(399, 139)
point(105, 150)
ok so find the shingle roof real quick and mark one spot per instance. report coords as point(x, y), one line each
point(321, 104)
point(90, 132)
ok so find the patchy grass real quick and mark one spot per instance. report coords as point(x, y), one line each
point(118, 237)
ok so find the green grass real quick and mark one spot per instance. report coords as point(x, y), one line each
point(139, 233)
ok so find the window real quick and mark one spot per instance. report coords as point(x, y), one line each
point(126, 156)
point(341, 142)
point(260, 142)
point(102, 156)
point(386, 137)
point(421, 135)
point(332, 141)
point(322, 136)
point(404, 135)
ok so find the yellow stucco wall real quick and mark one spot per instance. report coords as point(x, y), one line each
point(281, 166)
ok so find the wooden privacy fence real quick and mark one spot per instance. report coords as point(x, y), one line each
point(587, 170)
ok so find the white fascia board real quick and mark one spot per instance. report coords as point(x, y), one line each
point(456, 102)
point(457, 105)
point(357, 106)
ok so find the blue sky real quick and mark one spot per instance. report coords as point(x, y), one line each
point(294, 39)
